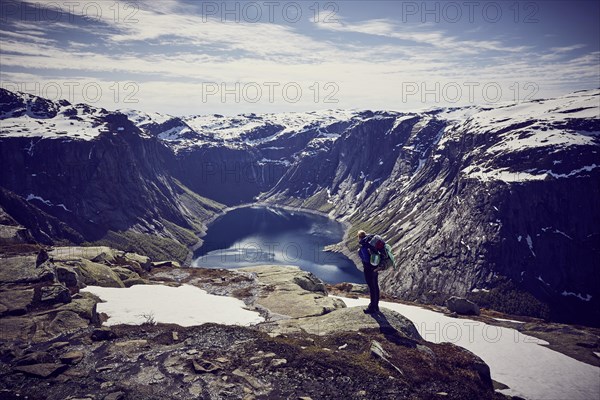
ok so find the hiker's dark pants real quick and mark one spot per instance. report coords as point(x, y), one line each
point(371, 278)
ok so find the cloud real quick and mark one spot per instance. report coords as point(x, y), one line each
point(567, 49)
point(438, 39)
point(171, 51)
point(28, 37)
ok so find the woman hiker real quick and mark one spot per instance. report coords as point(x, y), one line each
point(371, 271)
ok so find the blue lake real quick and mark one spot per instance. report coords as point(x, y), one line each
point(264, 235)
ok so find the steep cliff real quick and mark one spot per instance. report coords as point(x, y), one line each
point(497, 205)
point(96, 172)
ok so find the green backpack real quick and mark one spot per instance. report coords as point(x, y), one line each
point(385, 259)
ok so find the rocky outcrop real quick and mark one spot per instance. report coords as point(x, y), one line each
point(287, 291)
point(97, 274)
point(41, 370)
point(344, 320)
point(39, 293)
point(462, 306)
point(23, 269)
point(16, 301)
point(350, 288)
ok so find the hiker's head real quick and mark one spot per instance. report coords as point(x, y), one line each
point(361, 234)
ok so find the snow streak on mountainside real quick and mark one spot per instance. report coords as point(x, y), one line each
point(472, 199)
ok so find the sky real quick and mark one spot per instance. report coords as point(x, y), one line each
point(190, 57)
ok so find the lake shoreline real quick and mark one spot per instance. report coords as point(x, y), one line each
point(337, 247)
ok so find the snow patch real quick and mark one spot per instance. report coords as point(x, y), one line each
point(530, 244)
point(506, 175)
point(553, 230)
point(185, 305)
point(509, 320)
point(539, 278)
point(63, 207)
point(587, 297)
point(31, 196)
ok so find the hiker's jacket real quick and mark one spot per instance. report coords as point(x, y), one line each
point(363, 252)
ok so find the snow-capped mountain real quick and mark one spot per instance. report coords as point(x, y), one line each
point(25, 115)
point(240, 131)
point(498, 203)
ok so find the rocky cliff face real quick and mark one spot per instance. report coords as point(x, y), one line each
point(93, 170)
point(234, 159)
point(502, 198)
point(494, 203)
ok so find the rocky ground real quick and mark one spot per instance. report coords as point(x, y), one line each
point(52, 344)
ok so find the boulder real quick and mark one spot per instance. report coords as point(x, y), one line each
point(67, 276)
point(345, 320)
point(72, 357)
point(202, 366)
point(58, 346)
point(34, 327)
point(35, 357)
point(281, 291)
point(84, 305)
point(106, 258)
point(166, 264)
point(311, 283)
point(462, 306)
point(143, 261)
point(55, 294)
point(76, 253)
point(134, 281)
point(360, 288)
point(125, 273)
point(115, 396)
point(64, 322)
point(42, 257)
point(17, 301)
point(103, 333)
point(23, 269)
point(44, 370)
point(98, 275)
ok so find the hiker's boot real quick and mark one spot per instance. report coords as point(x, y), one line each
point(370, 310)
